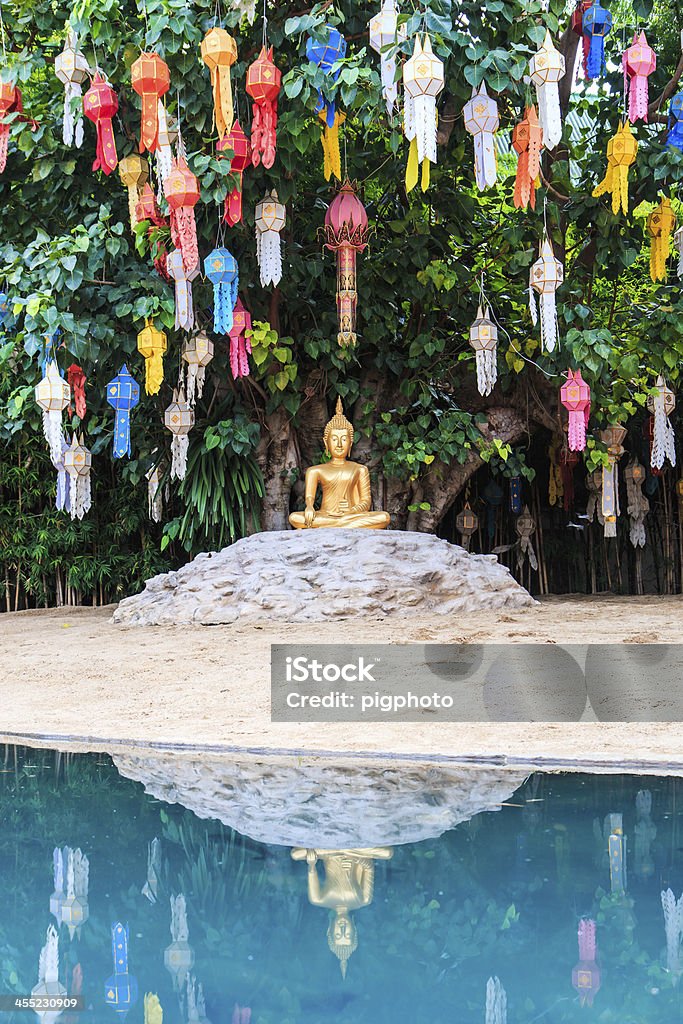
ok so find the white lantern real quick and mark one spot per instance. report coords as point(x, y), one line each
point(661, 406)
point(77, 463)
point(484, 340)
point(481, 121)
point(184, 306)
point(270, 220)
point(72, 69)
point(423, 80)
point(49, 984)
point(546, 68)
point(53, 395)
point(546, 276)
point(638, 505)
point(155, 510)
point(384, 32)
point(197, 353)
point(179, 419)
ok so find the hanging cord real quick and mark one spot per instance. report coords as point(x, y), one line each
point(485, 302)
point(144, 14)
point(265, 23)
point(2, 37)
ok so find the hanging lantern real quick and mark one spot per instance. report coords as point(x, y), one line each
point(147, 208)
point(49, 985)
point(660, 224)
point(77, 463)
point(150, 79)
point(423, 80)
point(586, 974)
point(555, 478)
point(269, 220)
point(575, 396)
point(639, 61)
point(179, 419)
point(219, 53)
point(466, 523)
point(621, 153)
point(75, 910)
point(123, 394)
point(121, 989)
point(134, 172)
point(238, 142)
point(546, 277)
point(163, 155)
point(179, 955)
point(661, 405)
point(53, 395)
point(546, 68)
point(71, 68)
point(613, 438)
point(155, 510)
point(527, 141)
point(240, 345)
point(184, 305)
point(675, 122)
point(526, 527)
point(197, 353)
point(10, 101)
point(263, 85)
point(637, 504)
point(597, 22)
point(4, 306)
point(100, 104)
point(220, 266)
point(346, 233)
point(182, 195)
point(385, 32)
point(577, 26)
point(325, 52)
point(516, 495)
point(484, 339)
point(76, 380)
point(481, 121)
point(62, 502)
point(152, 344)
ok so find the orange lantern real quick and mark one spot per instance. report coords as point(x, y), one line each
point(527, 141)
point(219, 53)
point(151, 80)
point(182, 194)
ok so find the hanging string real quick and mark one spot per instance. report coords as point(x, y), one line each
point(265, 23)
point(144, 14)
point(2, 36)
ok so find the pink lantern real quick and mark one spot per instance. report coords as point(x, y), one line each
point(575, 396)
point(346, 233)
point(639, 61)
point(240, 346)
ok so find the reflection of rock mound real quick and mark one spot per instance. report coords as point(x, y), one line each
point(323, 805)
point(312, 575)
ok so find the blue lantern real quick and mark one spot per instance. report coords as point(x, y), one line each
point(123, 394)
point(516, 495)
point(324, 52)
point(597, 22)
point(675, 136)
point(4, 306)
point(220, 266)
point(121, 989)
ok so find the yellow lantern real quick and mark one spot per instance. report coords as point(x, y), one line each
point(621, 153)
point(660, 225)
point(219, 53)
point(134, 172)
point(152, 344)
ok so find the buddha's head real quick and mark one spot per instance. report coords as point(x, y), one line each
point(342, 938)
point(338, 434)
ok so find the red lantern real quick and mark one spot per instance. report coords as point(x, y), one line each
point(76, 380)
point(577, 25)
point(346, 232)
point(238, 142)
point(182, 194)
point(575, 396)
point(151, 79)
point(263, 85)
point(240, 346)
point(10, 101)
point(146, 207)
point(100, 104)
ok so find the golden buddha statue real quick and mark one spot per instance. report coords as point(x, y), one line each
point(349, 884)
point(347, 501)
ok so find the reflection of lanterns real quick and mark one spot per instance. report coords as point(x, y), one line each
point(346, 233)
point(197, 353)
point(150, 79)
point(123, 394)
point(637, 505)
point(152, 1007)
point(52, 395)
point(263, 85)
point(484, 339)
point(481, 121)
point(526, 527)
point(49, 984)
point(575, 396)
point(179, 419)
point(179, 956)
point(661, 405)
point(134, 172)
point(423, 80)
point(597, 22)
point(269, 221)
point(219, 53)
point(240, 345)
point(151, 346)
point(639, 61)
point(527, 141)
point(57, 897)
point(220, 266)
point(621, 153)
point(75, 906)
point(586, 974)
point(121, 989)
point(660, 223)
point(645, 833)
point(546, 68)
point(546, 276)
point(100, 104)
point(673, 924)
point(385, 32)
point(238, 142)
point(616, 848)
point(182, 194)
point(466, 523)
point(71, 68)
point(77, 464)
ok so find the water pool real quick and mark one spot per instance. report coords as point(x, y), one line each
point(500, 894)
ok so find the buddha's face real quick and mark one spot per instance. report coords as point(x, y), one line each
point(343, 931)
point(339, 443)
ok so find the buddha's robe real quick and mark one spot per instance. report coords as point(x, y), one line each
point(347, 499)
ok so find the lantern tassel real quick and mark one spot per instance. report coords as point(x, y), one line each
point(533, 308)
point(595, 62)
point(232, 213)
point(239, 362)
point(576, 433)
point(105, 154)
point(487, 370)
point(184, 232)
point(224, 298)
point(155, 501)
point(222, 99)
point(163, 155)
point(179, 449)
point(664, 439)
point(80, 496)
point(329, 138)
point(72, 130)
point(548, 320)
point(550, 114)
point(269, 257)
point(52, 429)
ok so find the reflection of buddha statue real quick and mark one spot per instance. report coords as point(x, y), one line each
point(347, 501)
point(348, 885)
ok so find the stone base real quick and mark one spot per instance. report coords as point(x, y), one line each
point(314, 575)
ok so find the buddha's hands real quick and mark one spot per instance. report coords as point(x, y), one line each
point(311, 857)
point(309, 516)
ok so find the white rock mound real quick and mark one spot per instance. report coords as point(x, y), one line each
point(313, 575)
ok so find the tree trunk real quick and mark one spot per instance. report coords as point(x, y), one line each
point(277, 457)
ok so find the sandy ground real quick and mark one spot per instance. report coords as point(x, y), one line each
point(70, 675)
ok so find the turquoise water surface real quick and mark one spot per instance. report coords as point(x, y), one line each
point(499, 895)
